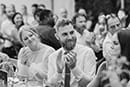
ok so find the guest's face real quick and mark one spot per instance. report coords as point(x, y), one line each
point(33, 9)
point(81, 22)
point(64, 14)
point(55, 18)
point(51, 20)
point(114, 25)
point(116, 49)
point(18, 19)
point(102, 21)
point(102, 25)
point(23, 9)
point(2, 9)
point(29, 39)
point(66, 35)
point(10, 12)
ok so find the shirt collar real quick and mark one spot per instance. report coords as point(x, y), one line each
point(109, 34)
point(74, 50)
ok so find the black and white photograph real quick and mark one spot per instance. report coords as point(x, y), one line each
point(64, 43)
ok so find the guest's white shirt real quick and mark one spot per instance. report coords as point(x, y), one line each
point(3, 17)
point(85, 66)
point(38, 61)
point(85, 38)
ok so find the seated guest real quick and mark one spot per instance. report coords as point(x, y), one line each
point(113, 25)
point(17, 20)
point(33, 57)
point(6, 29)
point(73, 63)
point(114, 72)
point(45, 29)
point(83, 35)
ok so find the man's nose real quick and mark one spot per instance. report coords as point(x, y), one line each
point(84, 23)
point(29, 38)
point(69, 36)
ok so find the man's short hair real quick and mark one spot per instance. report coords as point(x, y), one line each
point(37, 13)
point(76, 16)
point(61, 23)
point(35, 5)
point(44, 14)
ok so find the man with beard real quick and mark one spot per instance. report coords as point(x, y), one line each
point(73, 65)
point(80, 25)
point(63, 13)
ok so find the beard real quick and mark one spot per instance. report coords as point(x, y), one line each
point(81, 29)
point(69, 44)
point(10, 16)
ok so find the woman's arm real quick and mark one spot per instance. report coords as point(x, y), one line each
point(40, 69)
point(22, 68)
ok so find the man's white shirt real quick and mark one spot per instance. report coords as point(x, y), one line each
point(85, 66)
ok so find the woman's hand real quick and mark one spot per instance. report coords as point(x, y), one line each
point(24, 58)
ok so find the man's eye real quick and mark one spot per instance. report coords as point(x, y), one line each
point(30, 35)
point(112, 27)
point(25, 38)
point(64, 34)
point(72, 32)
point(118, 25)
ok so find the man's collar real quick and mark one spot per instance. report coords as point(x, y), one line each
point(109, 34)
point(63, 50)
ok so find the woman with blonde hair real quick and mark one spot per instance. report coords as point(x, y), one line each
point(33, 57)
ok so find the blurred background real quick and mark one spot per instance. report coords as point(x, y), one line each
point(93, 7)
point(53, 5)
point(92, 23)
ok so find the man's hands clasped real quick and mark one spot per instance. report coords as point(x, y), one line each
point(71, 59)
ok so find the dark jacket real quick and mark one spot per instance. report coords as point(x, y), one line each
point(47, 35)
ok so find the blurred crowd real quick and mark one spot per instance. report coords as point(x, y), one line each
point(43, 49)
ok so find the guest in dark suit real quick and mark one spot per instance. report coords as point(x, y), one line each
point(45, 29)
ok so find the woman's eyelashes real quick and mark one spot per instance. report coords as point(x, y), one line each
point(115, 42)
